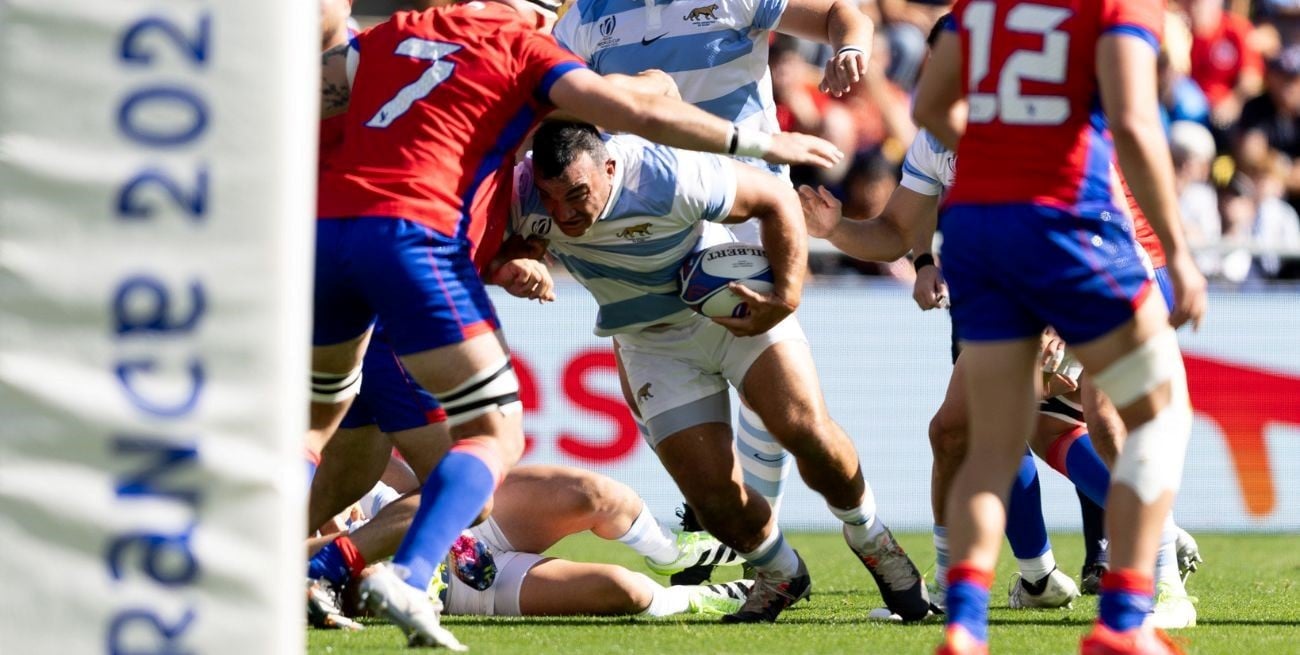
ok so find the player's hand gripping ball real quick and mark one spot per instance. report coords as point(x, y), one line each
point(706, 274)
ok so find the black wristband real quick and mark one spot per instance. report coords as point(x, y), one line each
point(922, 260)
point(735, 139)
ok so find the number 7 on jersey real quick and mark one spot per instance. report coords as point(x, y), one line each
point(437, 73)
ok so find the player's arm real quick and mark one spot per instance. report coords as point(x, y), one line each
point(781, 224)
point(651, 82)
point(1128, 96)
point(842, 25)
point(591, 98)
point(519, 269)
point(937, 106)
point(335, 82)
point(883, 238)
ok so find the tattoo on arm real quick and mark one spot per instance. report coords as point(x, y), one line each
point(334, 88)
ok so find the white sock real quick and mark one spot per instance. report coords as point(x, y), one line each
point(861, 525)
point(1035, 569)
point(1167, 558)
point(665, 601)
point(940, 561)
point(763, 461)
point(774, 556)
point(650, 539)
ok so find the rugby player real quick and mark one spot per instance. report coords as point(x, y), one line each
point(496, 567)
point(582, 194)
point(435, 110)
point(1065, 258)
point(717, 54)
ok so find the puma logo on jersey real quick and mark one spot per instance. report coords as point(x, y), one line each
point(643, 394)
point(707, 12)
point(635, 232)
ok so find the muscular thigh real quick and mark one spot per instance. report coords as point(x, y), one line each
point(675, 378)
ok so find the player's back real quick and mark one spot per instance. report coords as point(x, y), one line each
point(1036, 133)
point(440, 102)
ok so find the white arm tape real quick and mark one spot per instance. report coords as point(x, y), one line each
point(751, 142)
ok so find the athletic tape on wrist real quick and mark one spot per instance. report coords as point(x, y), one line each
point(750, 142)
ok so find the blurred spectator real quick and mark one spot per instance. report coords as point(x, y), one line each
point(1180, 98)
point(1224, 63)
point(1255, 216)
point(1192, 147)
point(881, 109)
point(1283, 16)
point(1271, 122)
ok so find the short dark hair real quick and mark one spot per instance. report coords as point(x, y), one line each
point(557, 143)
point(942, 25)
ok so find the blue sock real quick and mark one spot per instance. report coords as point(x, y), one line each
point(452, 497)
point(1073, 455)
point(1126, 600)
point(328, 564)
point(1025, 527)
point(968, 600)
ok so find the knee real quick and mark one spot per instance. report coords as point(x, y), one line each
point(803, 433)
point(627, 592)
point(947, 440)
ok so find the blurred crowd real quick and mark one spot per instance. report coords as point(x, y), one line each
point(1230, 90)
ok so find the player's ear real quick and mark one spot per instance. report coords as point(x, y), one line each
point(609, 167)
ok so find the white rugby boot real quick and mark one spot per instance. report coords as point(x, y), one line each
point(1058, 591)
point(409, 608)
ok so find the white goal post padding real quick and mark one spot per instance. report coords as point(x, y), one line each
point(157, 167)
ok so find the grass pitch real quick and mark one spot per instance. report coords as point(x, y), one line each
point(1249, 590)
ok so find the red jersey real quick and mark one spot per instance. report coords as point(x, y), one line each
point(1142, 230)
point(439, 104)
point(331, 141)
point(1220, 57)
point(1035, 132)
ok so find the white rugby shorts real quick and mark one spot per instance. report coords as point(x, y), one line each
point(679, 374)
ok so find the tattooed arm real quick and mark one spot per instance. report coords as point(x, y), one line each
point(335, 87)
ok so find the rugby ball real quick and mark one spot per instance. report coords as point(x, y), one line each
point(706, 274)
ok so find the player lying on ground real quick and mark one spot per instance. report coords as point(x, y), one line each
point(623, 215)
point(434, 111)
point(1062, 260)
point(496, 568)
point(391, 406)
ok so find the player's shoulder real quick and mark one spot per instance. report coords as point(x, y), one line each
point(491, 20)
point(589, 11)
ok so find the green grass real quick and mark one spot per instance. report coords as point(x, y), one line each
point(1249, 590)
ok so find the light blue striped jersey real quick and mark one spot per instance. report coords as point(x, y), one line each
point(928, 167)
point(716, 50)
point(664, 204)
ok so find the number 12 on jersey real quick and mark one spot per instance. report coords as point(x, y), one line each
point(1049, 64)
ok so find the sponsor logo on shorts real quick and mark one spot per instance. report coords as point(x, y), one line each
point(643, 394)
